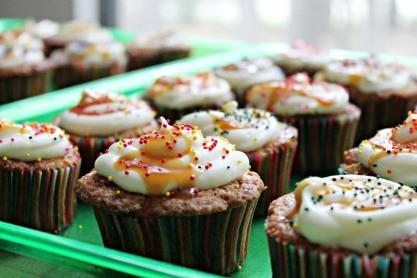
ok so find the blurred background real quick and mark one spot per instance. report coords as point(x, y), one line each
point(373, 25)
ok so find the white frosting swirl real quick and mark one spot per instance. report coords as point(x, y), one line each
point(298, 95)
point(32, 141)
point(249, 129)
point(172, 158)
point(302, 56)
point(90, 55)
point(101, 114)
point(246, 73)
point(368, 75)
point(42, 29)
point(82, 32)
point(20, 49)
point(359, 213)
point(185, 92)
point(392, 152)
point(157, 41)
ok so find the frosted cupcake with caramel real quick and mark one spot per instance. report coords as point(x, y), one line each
point(269, 144)
point(385, 92)
point(321, 112)
point(344, 226)
point(176, 96)
point(161, 184)
point(246, 73)
point(82, 62)
point(301, 57)
point(100, 119)
point(391, 154)
point(38, 171)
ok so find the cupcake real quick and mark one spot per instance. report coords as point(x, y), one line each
point(155, 49)
point(321, 112)
point(176, 196)
point(83, 62)
point(24, 70)
point(38, 172)
point(77, 31)
point(302, 57)
point(390, 154)
point(269, 144)
point(100, 119)
point(174, 97)
point(344, 226)
point(246, 73)
point(385, 92)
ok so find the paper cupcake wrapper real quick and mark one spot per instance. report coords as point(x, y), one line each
point(381, 112)
point(290, 260)
point(39, 199)
point(322, 141)
point(138, 60)
point(67, 75)
point(215, 242)
point(16, 87)
point(274, 168)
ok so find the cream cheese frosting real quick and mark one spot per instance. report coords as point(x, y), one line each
point(87, 54)
point(359, 213)
point(368, 75)
point(303, 56)
point(392, 152)
point(20, 49)
point(42, 29)
point(298, 95)
point(103, 114)
point(163, 40)
point(82, 32)
point(177, 157)
point(32, 141)
point(247, 72)
point(249, 129)
point(184, 92)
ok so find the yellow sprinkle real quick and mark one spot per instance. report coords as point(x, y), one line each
point(118, 192)
point(76, 149)
point(237, 186)
point(39, 159)
point(295, 225)
point(239, 267)
point(409, 113)
point(110, 178)
point(67, 136)
point(4, 157)
point(194, 138)
point(239, 161)
point(168, 194)
point(22, 130)
point(345, 153)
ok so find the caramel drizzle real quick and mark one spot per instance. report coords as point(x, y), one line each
point(90, 99)
point(159, 164)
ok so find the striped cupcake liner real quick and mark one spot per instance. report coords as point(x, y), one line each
point(274, 167)
point(90, 148)
point(215, 242)
point(16, 87)
point(39, 199)
point(380, 112)
point(292, 261)
point(141, 59)
point(322, 140)
point(68, 75)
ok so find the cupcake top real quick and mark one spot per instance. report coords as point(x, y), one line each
point(20, 49)
point(42, 29)
point(177, 157)
point(303, 56)
point(369, 75)
point(392, 152)
point(184, 92)
point(91, 54)
point(156, 41)
point(249, 129)
point(359, 213)
point(104, 114)
point(246, 73)
point(82, 32)
point(298, 95)
point(32, 141)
